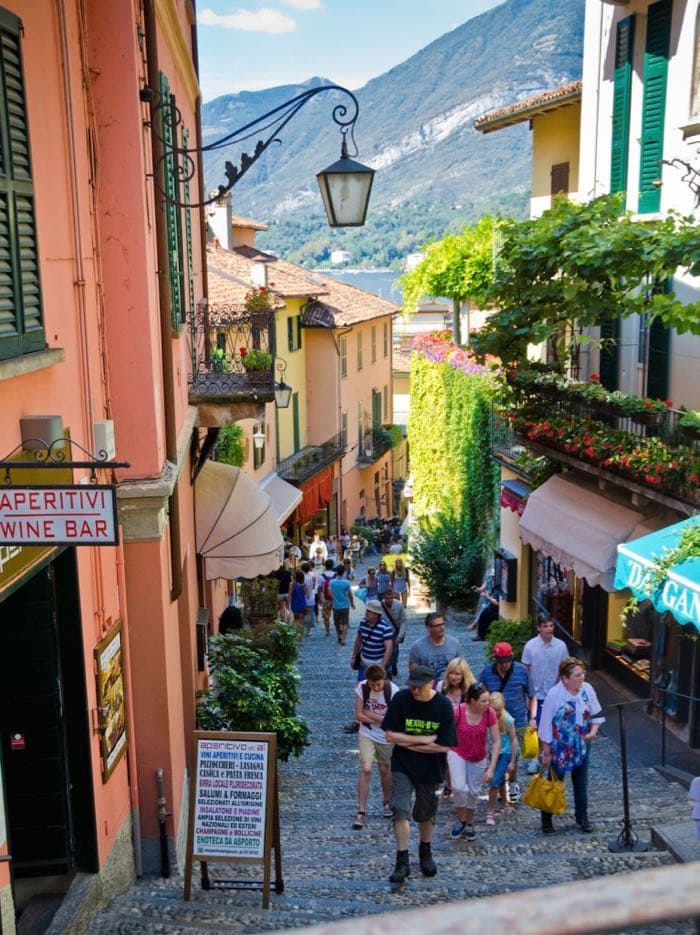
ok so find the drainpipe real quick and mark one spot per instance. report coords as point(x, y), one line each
point(165, 301)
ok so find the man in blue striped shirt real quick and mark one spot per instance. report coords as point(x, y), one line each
point(375, 640)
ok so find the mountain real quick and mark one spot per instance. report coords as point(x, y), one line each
point(434, 171)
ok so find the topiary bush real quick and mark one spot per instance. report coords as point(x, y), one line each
point(255, 687)
point(515, 632)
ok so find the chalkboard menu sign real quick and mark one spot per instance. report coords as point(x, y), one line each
point(234, 813)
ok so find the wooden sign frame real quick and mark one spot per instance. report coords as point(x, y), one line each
point(231, 746)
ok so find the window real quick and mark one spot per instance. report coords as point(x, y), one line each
point(654, 106)
point(560, 179)
point(385, 394)
point(343, 357)
point(294, 333)
point(359, 350)
point(622, 91)
point(373, 344)
point(386, 338)
point(21, 315)
point(344, 429)
point(376, 410)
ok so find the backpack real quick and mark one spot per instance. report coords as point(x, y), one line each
point(366, 693)
point(326, 587)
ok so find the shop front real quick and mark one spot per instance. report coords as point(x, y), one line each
point(662, 573)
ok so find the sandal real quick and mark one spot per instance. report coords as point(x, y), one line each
point(446, 792)
point(359, 823)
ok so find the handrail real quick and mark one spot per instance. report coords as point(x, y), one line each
point(605, 904)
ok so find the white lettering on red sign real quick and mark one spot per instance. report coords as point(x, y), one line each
point(46, 516)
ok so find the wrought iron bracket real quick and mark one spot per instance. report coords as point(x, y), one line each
point(164, 112)
point(53, 455)
point(691, 176)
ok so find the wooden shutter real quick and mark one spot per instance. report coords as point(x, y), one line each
point(296, 429)
point(21, 316)
point(658, 360)
point(622, 90)
point(560, 179)
point(376, 410)
point(188, 235)
point(298, 330)
point(173, 215)
point(290, 334)
point(654, 107)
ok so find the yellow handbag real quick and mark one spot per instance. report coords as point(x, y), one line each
point(531, 747)
point(546, 793)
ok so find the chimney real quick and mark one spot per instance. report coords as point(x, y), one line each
point(219, 218)
point(258, 274)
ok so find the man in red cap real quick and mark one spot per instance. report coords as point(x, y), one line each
point(513, 681)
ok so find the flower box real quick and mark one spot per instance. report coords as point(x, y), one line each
point(650, 418)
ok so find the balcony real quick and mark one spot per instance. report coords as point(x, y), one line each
point(373, 444)
point(309, 460)
point(648, 454)
point(228, 345)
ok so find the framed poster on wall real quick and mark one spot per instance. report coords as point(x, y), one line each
point(111, 705)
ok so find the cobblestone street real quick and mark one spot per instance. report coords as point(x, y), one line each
point(332, 872)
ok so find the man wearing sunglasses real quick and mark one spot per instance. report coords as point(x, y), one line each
point(436, 648)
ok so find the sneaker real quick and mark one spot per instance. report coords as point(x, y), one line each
point(402, 868)
point(359, 823)
point(351, 728)
point(514, 792)
point(585, 826)
point(469, 832)
point(458, 830)
point(490, 820)
point(387, 810)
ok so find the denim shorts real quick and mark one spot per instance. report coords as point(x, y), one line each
point(402, 790)
point(499, 774)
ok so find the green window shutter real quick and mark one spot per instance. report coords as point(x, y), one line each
point(188, 234)
point(298, 326)
point(654, 107)
point(173, 218)
point(290, 334)
point(609, 356)
point(659, 352)
point(622, 90)
point(376, 410)
point(21, 317)
point(295, 422)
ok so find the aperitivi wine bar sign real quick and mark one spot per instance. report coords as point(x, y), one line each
point(77, 514)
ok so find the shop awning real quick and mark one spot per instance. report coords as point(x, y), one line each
point(514, 494)
point(577, 528)
point(679, 592)
point(238, 534)
point(285, 498)
point(317, 493)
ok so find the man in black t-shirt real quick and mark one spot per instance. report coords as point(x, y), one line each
point(420, 724)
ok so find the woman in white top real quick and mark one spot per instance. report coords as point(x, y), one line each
point(570, 720)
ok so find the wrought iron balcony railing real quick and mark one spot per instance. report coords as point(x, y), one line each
point(232, 352)
point(653, 457)
point(373, 445)
point(309, 460)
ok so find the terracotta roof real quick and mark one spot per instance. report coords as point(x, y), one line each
point(237, 220)
point(530, 107)
point(286, 279)
point(345, 305)
point(332, 304)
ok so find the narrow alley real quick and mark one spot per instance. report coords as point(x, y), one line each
point(332, 872)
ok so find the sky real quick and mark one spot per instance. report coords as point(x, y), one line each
point(246, 45)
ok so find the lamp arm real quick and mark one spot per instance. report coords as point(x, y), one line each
point(165, 111)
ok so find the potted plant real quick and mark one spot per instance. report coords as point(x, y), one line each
point(260, 604)
point(218, 360)
point(256, 360)
point(689, 424)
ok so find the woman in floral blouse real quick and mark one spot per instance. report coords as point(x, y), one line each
point(570, 721)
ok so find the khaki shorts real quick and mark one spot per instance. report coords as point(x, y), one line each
point(371, 751)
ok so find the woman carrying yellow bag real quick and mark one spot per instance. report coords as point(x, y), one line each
point(570, 721)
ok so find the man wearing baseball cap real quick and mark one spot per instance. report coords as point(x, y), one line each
point(513, 681)
point(420, 724)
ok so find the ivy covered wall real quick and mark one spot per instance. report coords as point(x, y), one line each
point(449, 432)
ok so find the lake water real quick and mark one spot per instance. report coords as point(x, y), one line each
point(381, 282)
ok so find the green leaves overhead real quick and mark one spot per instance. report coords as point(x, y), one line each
point(460, 266)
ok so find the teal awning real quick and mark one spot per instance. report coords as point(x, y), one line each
point(679, 592)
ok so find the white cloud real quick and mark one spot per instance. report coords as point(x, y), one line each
point(304, 5)
point(264, 20)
